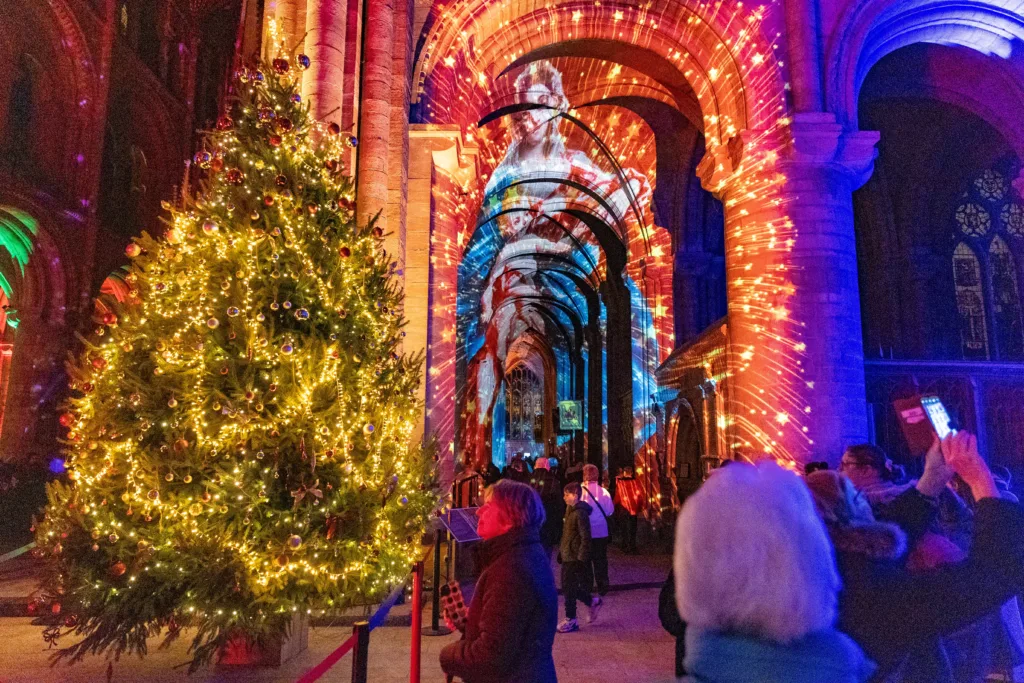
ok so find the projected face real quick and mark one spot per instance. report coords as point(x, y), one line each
point(534, 127)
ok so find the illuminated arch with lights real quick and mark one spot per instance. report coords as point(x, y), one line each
point(718, 65)
point(869, 31)
point(717, 50)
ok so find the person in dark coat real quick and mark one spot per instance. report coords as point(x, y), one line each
point(511, 622)
point(549, 488)
point(574, 554)
point(891, 611)
point(668, 613)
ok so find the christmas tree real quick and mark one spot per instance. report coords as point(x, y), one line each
point(238, 442)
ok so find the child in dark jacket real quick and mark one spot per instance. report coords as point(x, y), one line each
point(574, 554)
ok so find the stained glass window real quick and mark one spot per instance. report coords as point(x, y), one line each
point(991, 185)
point(1005, 300)
point(970, 302)
point(524, 401)
point(1012, 218)
point(973, 219)
point(989, 237)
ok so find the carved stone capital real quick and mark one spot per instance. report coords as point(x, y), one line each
point(817, 139)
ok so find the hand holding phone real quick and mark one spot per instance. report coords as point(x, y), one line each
point(938, 416)
point(922, 418)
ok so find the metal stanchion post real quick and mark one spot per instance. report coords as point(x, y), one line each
point(361, 652)
point(417, 622)
point(435, 605)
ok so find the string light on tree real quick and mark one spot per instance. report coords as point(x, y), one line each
point(238, 440)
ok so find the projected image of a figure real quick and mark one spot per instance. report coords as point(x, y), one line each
point(507, 285)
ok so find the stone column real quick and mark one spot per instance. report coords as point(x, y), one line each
point(375, 113)
point(284, 15)
point(323, 82)
point(795, 388)
point(824, 166)
point(804, 55)
point(398, 151)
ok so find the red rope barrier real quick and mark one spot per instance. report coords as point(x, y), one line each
point(320, 669)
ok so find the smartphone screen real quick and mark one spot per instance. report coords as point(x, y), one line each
point(937, 415)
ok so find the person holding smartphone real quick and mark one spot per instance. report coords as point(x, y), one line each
point(888, 609)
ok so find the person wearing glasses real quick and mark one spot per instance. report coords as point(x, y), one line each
point(894, 611)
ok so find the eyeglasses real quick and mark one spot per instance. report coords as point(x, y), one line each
point(845, 465)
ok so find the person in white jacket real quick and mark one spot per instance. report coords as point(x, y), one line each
point(602, 507)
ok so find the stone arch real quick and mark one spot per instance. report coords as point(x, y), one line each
point(703, 44)
point(871, 30)
point(67, 94)
point(39, 279)
point(994, 92)
point(37, 272)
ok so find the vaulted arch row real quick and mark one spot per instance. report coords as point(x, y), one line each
point(573, 124)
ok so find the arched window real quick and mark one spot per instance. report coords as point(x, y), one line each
point(16, 148)
point(970, 302)
point(989, 236)
point(524, 401)
point(1005, 299)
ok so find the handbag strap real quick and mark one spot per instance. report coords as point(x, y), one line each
point(596, 502)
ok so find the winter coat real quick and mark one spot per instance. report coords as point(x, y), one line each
point(668, 613)
point(549, 488)
point(510, 628)
point(576, 534)
point(599, 499)
point(821, 657)
point(890, 611)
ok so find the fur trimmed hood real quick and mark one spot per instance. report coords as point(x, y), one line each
point(874, 540)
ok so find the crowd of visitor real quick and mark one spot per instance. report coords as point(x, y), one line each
point(848, 575)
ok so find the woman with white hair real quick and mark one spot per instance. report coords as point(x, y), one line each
point(510, 628)
point(756, 584)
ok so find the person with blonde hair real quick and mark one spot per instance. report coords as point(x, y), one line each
point(756, 583)
point(510, 628)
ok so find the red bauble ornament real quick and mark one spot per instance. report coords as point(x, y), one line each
point(224, 122)
point(312, 209)
point(109, 318)
point(67, 419)
point(331, 165)
point(284, 123)
point(235, 176)
point(217, 164)
point(268, 200)
point(71, 621)
point(377, 232)
point(87, 387)
point(275, 140)
point(118, 569)
point(55, 608)
point(345, 203)
point(281, 180)
point(280, 65)
point(334, 129)
point(32, 608)
point(99, 362)
point(344, 252)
